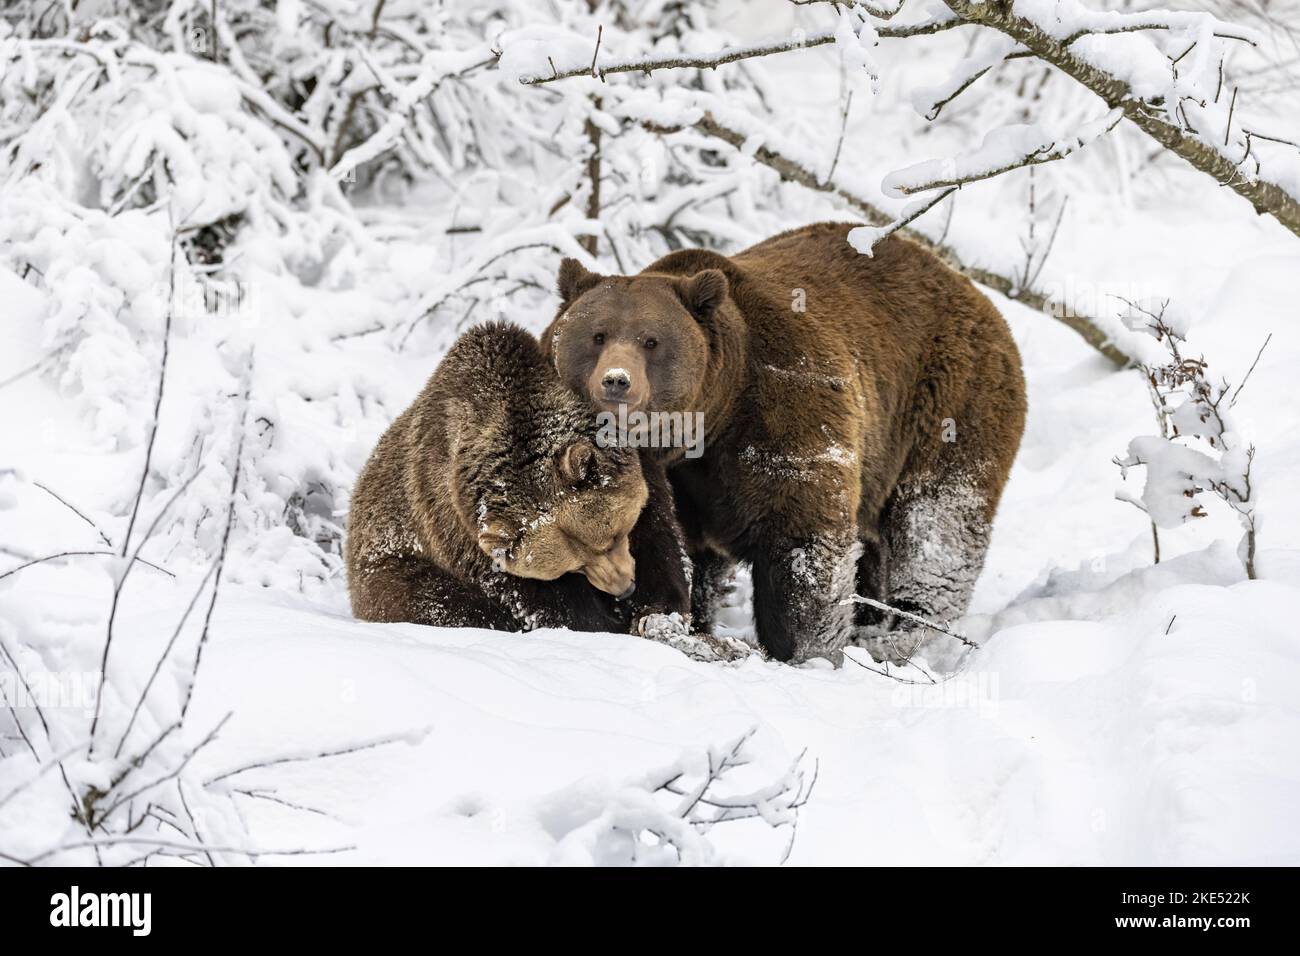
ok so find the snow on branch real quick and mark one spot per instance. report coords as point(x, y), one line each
point(1073, 21)
point(539, 58)
point(1005, 149)
point(665, 818)
point(1199, 447)
point(864, 238)
point(879, 11)
point(433, 70)
point(765, 146)
point(548, 236)
point(1178, 97)
point(929, 101)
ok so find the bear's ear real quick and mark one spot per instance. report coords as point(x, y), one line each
point(576, 463)
point(574, 279)
point(703, 293)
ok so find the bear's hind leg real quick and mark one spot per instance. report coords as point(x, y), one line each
point(937, 532)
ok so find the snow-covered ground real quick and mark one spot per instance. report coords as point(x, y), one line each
point(1118, 712)
point(1091, 729)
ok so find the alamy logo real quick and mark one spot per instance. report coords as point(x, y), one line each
point(102, 909)
point(48, 690)
point(651, 430)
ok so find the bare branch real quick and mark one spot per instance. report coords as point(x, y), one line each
point(166, 652)
point(225, 538)
point(914, 618)
point(120, 576)
point(54, 761)
point(75, 510)
point(52, 557)
point(251, 852)
point(299, 758)
point(171, 774)
point(1233, 400)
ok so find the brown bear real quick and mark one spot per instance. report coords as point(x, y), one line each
point(488, 503)
point(860, 417)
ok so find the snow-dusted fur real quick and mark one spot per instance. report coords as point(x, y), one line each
point(488, 500)
point(883, 412)
point(936, 533)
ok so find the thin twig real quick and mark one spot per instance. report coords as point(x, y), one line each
point(176, 633)
point(251, 852)
point(225, 538)
point(300, 758)
point(1233, 400)
point(75, 510)
point(915, 618)
point(144, 473)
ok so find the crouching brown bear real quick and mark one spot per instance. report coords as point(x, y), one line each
point(488, 503)
point(860, 416)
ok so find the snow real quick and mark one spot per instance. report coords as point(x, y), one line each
point(1003, 148)
point(530, 51)
point(1119, 712)
point(1090, 730)
point(1093, 740)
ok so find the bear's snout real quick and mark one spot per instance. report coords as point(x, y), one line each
point(613, 572)
point(619, 377)
point(615, 383)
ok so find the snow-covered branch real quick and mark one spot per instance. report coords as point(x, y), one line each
point(1187, 110)
point(1005, 149)
point(1199, 447)
point(573, 65)
point(762, 148)
point(665, 818)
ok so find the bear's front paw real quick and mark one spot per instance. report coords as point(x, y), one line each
point(661, 627)
point(675, 631)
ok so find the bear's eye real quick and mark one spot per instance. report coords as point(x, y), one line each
point(651, 343)
point(599, 338)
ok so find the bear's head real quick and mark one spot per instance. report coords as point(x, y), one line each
point(640, 341)
point(578, 521)
point(532, 484)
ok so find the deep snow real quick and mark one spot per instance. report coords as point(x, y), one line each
point(1119, 712)
point(1089, 730)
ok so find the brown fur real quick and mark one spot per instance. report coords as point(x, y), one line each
point(824, 428)
point(487, 503)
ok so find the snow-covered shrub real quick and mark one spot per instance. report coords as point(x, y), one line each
point(665, 818)
point(1200, 447)
point(261, 138)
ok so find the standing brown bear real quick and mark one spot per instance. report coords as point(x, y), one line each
point(860, 413)
point(489, 503)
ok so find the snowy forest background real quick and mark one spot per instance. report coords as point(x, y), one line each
point(236, 237)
